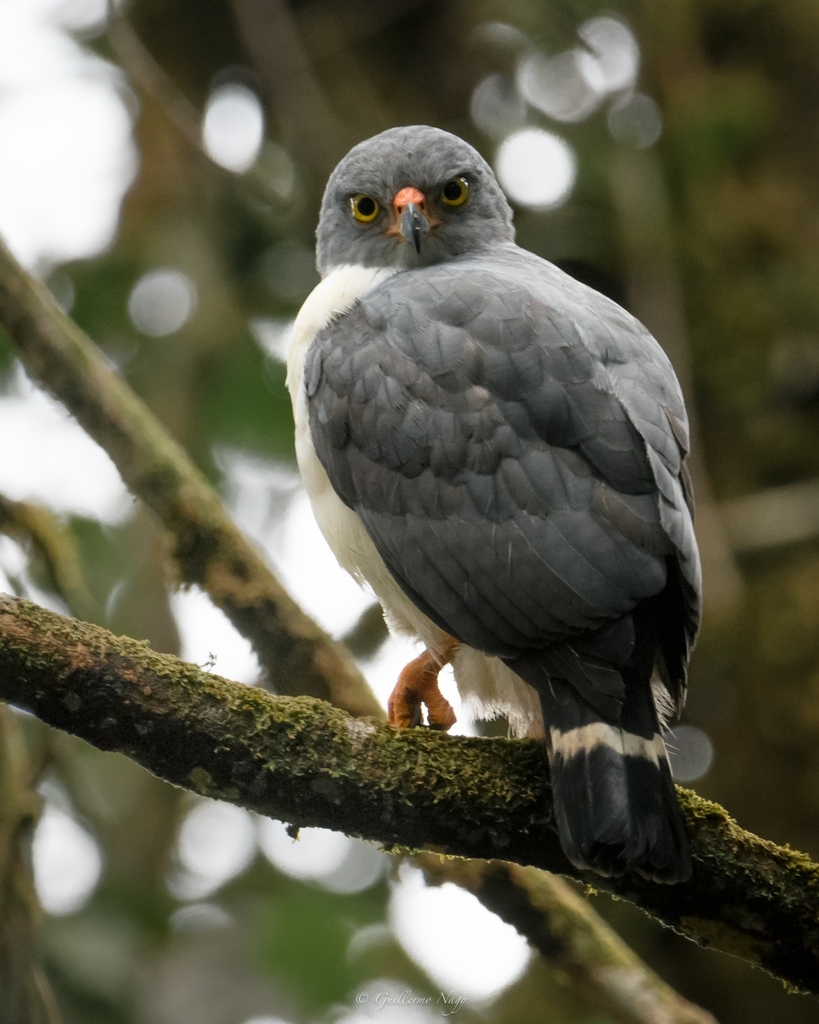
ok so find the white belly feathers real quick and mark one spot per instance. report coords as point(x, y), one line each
point(488, 687)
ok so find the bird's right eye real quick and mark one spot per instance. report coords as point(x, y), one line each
point(364, 208)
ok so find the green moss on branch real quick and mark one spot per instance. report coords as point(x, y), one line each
point(311, 764)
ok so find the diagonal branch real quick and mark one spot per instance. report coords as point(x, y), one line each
point(55, 544)
point(208, 548)
point(304, 118)
point(311, 764)
point(563, 927)
point(152, 81)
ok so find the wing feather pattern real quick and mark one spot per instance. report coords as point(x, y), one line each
point(514, 444)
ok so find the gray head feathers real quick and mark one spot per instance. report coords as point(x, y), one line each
point(423, 158)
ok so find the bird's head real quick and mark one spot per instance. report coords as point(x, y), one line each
point(410, 197)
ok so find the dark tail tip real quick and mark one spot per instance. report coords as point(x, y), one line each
point(618, 812)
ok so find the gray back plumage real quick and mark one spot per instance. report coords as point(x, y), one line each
point(513, 443)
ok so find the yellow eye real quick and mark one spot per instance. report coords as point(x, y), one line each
point(455, 192)
point(364, 208)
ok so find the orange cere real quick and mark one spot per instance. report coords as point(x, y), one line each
point(406, 196)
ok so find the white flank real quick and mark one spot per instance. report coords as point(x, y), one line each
point(331, 297)
point(491, 689)
point(342, 528)
point(599, 734)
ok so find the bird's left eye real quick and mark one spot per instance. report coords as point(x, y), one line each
point(364, 208)
point(455, 192)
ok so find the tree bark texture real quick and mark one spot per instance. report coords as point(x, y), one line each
point(300, 760)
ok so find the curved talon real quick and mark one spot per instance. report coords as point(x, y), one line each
point(418, 684)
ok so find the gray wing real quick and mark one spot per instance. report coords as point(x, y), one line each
point(513, 443)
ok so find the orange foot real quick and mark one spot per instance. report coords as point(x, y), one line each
point(417, 685)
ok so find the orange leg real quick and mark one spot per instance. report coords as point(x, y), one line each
point(417, 685)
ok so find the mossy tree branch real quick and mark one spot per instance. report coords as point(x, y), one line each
point(209, 550)
point(311, 764)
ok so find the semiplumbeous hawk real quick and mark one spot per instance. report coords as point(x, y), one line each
point(499, 453)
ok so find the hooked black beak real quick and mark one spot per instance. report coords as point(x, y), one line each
point(414, 225)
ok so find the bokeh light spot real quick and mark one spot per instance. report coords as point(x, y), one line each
point(272, 335)
point(277, 166)
point(268, 502)
point(161, 302)
point(363, 866)
point(497, 107)
point(233, 127)
point(65, 134)
point(459, 943)
point(636, 121)
point(368, 937)
point(536, 168)
point(86, 16)
point(67, 862)
point(501, 36)
point(316, 852)
point(200, 917)
point(690, 752)
point(337, 862)
point(559, 86)
point(217, 841)
point(265, 1020)
point(59, 199)
point(52, 461)
point(12, 557)
point(209, 638)
point(615, 50)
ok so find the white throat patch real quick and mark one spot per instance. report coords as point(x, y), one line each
point(331, 297)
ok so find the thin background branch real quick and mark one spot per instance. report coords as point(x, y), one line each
point(208, 548)
point(152, 80)
point(299, 107)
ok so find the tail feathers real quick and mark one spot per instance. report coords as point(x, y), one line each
point(615, 803)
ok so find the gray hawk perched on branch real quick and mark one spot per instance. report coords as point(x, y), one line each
point(499, 452)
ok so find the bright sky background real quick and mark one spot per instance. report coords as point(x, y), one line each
point(66, 150)
point(67, 156)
